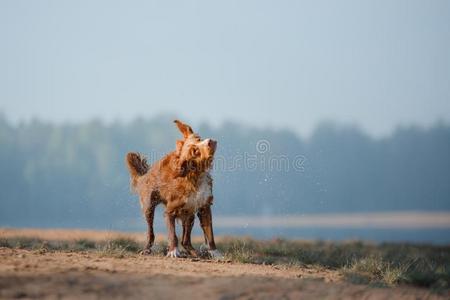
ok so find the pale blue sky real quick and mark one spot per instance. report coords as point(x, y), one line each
point(266, 63)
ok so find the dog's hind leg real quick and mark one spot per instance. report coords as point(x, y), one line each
point(173, 240)
point(149, 212)
point(188, 223)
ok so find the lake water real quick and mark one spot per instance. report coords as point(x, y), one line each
point(414, 227)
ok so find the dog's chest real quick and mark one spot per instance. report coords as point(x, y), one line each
point(201, 196)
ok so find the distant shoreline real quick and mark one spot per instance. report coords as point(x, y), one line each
point(379, 220)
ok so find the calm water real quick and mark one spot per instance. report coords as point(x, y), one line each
point(435, 236)
point(343, 227)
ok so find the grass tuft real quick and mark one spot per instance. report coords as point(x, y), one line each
point(239, 251)
point(83, 245)
point(119, 247)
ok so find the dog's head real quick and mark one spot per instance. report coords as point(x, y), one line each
point(194, 154)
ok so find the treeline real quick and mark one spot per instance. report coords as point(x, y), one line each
point(74, 174)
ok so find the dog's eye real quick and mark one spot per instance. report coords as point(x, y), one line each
point(195, 151)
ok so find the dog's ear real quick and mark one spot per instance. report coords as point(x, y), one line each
point(185, 166)
point(182, 169)
point(185, 129)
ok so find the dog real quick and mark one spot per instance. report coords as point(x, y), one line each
point(182, 182)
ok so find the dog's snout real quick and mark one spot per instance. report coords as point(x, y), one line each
point(212, 144)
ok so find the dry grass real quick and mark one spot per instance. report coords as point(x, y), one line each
point(363, 263)
point(386, 264)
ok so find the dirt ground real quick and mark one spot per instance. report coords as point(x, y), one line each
point(91, 275)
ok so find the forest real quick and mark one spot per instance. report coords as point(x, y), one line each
point(75, 175)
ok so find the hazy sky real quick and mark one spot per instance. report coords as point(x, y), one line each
point(266, 63)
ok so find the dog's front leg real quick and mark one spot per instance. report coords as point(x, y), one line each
point(188, 223)
point(205, 216)
point(173, 240)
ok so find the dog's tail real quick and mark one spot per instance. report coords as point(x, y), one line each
point(137, 165)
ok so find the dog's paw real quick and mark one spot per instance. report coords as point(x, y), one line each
point(204, 248)
point(146, 251)
point(193, 253)
point(190, 251)
point(174, 253)
point(216, 254)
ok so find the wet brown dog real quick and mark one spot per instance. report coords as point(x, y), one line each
point(182, 182)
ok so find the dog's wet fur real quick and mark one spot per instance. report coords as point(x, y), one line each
point(182, 182)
